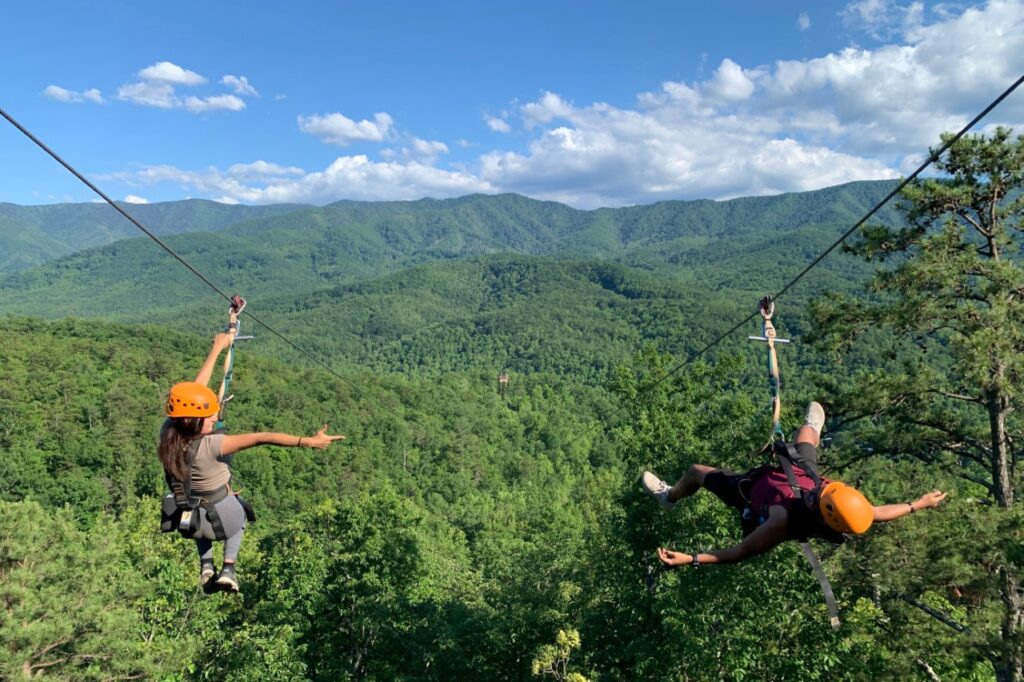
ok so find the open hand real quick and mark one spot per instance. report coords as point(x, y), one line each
point(321, 440)
point(929, 500)
point(671, 558)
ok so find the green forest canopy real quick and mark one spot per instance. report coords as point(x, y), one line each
point(463, 533)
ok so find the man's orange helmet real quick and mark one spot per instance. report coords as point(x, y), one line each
point(189, 399)
point(845, 509)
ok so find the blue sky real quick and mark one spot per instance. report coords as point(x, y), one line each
point(595, 103)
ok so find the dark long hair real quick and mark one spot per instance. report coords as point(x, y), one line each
point(175, 437)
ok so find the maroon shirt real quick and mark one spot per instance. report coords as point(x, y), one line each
point(772, 488)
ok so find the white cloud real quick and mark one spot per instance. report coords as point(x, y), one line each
point(340, 130)
point(730, 83)
point(158, 89)
point(792, 125)
point(166, 72)
point(240, 85)
point(498, 125)
point(884, 19)
point(548, 108)
point(803, 22)
point(59, 94)
point(348, 177)
point(214, 103)
point(262, 171)
point(150, 94)
point(133, 199)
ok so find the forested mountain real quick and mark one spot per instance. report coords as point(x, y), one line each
point(30, 235)
point(468, 531)
point(675, 261)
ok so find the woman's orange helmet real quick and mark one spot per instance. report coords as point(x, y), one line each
point(189, 399)
point(845, 509)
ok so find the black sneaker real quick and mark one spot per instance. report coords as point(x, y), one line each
point(206, 571)
point(227, 580)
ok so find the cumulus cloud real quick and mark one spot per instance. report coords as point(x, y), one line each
point(792, 125)
point(498, 125)
point(239, 85)
point(803, 22)
point(133, 199)
point(730, 83)
point(340, 130)
point(214, 103)
point(159, 83)
point(59, 94)
point(166, 72)
point(150, 94)
point(549, 107)
point(351, 177)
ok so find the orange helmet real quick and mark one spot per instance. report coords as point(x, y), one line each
point(845, 509)
point(189, 399)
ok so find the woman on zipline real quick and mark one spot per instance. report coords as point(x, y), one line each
point(771, 512)
point(188, 433)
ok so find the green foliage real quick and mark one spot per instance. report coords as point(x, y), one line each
point(945, 304)
point(461, 532)
point(72, 605)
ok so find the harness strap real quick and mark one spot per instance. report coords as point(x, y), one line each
point(212, 496)
point(826, 586)
point(788, 455)
point(214, 518)
point(183, 489)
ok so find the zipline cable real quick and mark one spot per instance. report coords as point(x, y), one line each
point(182, 260)
point(932, 158)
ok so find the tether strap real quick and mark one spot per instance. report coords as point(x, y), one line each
point(787, 456)
point(767, 308)
point(224, 394)
point(183, 489)
point(826, 586)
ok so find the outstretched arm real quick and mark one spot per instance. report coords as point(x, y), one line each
point(766, 536)
point(888, 512)
point(242, 441)
point(220, 343)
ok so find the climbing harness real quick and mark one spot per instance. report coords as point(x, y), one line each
point(180, 508)
point(787, 453)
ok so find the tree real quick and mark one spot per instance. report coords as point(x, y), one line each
point(950, 291)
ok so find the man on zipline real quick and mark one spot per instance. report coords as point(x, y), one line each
point(771, 511)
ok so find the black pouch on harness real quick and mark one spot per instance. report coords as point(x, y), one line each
point(170, 514)
point(250, 513)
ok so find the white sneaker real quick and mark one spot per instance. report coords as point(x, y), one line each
point(815, 416)
point(657, 489)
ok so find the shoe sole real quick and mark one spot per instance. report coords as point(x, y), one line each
point(648, 481)
point(227, 585)
point(815, 416)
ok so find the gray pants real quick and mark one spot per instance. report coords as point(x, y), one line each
point(232, 515)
